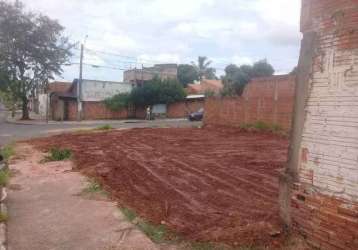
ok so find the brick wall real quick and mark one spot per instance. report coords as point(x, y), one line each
point(268, 99)
point(98, 111)
point(183, 109)
point(324, 205)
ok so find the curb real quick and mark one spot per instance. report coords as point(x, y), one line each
point(3, 224)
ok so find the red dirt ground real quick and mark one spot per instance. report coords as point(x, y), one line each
point(214, 185)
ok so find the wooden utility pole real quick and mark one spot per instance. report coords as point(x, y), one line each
point(79, 86)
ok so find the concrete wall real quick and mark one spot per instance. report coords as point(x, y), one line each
point(95, 91)
point(268, 99)
point(322, 172)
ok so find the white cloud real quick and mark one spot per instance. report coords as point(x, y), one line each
point(180, 30)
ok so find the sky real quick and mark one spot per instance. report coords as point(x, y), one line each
point(123, 34)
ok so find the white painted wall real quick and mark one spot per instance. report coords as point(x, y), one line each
point(43, 104)
point(95, 91)
point(329, 148)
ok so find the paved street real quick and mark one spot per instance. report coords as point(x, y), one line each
point(12, 132)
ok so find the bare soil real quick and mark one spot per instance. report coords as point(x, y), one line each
point(218, 185)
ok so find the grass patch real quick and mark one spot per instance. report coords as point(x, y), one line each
point(7, 151)
point(3, 217)
point(104, 127)
point(263, 127)
point(94, 187)
point(128, 213)
point(157, 234)
point(57, 154)
point(4, 177)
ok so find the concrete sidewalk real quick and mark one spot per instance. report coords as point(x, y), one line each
point(47, 210)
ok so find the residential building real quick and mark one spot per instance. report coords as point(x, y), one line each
point(137, 77)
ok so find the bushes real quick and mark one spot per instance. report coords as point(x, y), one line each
point(262, 127)
point(57, 154)
point(156, 91)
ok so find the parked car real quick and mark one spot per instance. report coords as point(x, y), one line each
point(197, 116)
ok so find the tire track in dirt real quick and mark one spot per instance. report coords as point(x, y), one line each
point(207, 184)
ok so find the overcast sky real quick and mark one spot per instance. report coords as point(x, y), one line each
point(178, 31)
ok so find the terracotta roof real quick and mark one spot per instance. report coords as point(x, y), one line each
point(60, 87)
point(206, 85)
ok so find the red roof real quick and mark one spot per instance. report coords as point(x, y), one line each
point(205, 85)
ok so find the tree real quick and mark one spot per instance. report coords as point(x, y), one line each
point(203, 68)
point(262, 68)
point(9, 92)
point(236, 78)
point(156, 91)
point(187, 74)
point(32, 50)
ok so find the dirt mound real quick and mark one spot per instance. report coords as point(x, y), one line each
point(207, 184)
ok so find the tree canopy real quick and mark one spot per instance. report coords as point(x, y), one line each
point(32, 50)
point(236, 78)
point(203, 68)
point(187, 74)
point(156, 91)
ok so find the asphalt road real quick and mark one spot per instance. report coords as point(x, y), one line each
point(13, 132)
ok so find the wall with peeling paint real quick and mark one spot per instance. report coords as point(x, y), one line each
point(324, 198)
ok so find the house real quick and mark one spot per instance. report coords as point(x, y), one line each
point(64, 106)
point(204, 87)
point(41, 103)
point(138, 77)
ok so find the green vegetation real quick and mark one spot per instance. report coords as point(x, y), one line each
point(187, 74)
point(93, 187)
point(3, 217)
point(8, 151)
point(236, 78)
point(161, 234)
point(156, 91)
point(57, 154)
point(104, 127)
point(263, 127)
point(128, 213)
point(32, 51)
point(157, 233)
point(203, 68)
point(4, 177)
point(118, 101)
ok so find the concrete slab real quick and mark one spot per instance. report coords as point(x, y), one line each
point(47, 212)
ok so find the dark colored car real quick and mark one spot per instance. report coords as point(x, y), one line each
point(197, 116)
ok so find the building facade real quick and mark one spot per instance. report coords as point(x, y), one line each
point(138, 77)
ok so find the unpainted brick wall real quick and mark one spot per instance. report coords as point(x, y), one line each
point(183, 109)
point(325, 200)
point(98, 111)
point(268, 99)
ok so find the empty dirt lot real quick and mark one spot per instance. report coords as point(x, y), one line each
point(215, 185)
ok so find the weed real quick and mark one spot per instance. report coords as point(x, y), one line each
point(262, 127)
point(3, 217)
point(7, 151)
point(157, 234)
point(202, 246)
point(57, 154)
point(128, 213)
point(94, 187)
point(104, 127)
point(4, 177)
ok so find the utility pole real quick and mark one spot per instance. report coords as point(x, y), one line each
point(79, 87)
